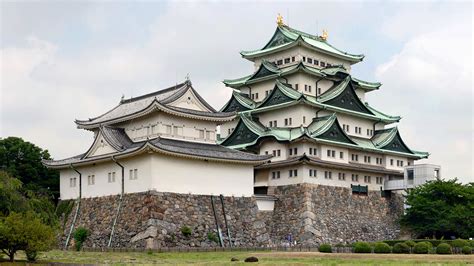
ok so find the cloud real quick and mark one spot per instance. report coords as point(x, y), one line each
point(429, 82)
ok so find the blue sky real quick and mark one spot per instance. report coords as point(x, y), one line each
point(67, 60)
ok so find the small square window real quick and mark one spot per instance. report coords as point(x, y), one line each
point(310, 60)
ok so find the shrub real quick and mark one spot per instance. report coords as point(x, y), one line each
point(362, 247)
point(381, 247)
point(410, 243)
point(31, 255)
point(459, 243)
point(186, 231)
point(466, 250)
point(80, 235)
point(325, 248)
point(401, 248)
point(443, 248)
point(422, 248)
point(471, 243)
point(212, 237)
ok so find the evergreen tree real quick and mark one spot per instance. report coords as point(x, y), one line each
point(22, 160)
point(441, 208)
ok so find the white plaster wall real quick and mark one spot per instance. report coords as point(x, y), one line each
point(260, 88)
point(179, 175)
point(224, 128)
point(285, 178)
point(296, 112)
point(395, 158)
point(323, 153)
point(65, 190)
point(270, 145)
point(325, 85)
point(141, 128)
point(162, 173)
point(303, 177)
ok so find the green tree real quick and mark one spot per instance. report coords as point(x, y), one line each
point(441, 208)
point(22, 160)
point(24, 231)
point(10, 197)
point(13, 198)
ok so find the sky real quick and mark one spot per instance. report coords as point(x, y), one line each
point(65, 60)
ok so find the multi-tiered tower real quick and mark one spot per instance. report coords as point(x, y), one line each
point(303, 106)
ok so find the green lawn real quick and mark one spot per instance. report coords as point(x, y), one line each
point(269, 258)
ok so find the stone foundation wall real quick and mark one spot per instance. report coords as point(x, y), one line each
point(155, 219)
point(315, 214)
point(311, 214)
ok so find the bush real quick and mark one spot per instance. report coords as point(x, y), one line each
point(401, 248)
point(466, 250)
point(381, 247)
point(410, 243)
point(443, 248)
point(212, 237)
point(362, 247)
point(186, 231)
point(80, 235)
point(422, 248)
point(325, 248)
point(459, 243)
point(471, 243)
point(31, 255)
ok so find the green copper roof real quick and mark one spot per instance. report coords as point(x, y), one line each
point(283, 96)
point(324, 129)
point(286, 37)
point(268, 71)
point(238, 103)
point(343, 95)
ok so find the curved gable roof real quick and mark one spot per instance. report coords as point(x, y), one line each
point(142, 105)
point(285, 37)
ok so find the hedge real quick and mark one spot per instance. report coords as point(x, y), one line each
point(459, 243)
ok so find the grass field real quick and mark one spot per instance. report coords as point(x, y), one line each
point(268, 258)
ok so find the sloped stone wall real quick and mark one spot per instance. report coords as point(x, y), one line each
point(155, 219)
point(315, 214)
point(311, 214)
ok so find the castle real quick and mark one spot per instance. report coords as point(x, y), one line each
point(299, 153)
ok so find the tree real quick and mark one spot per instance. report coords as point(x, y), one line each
point(441, 208)
point(24, 231)
point(22, 160)
point(14, 198)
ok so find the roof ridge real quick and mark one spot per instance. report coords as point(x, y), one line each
point(155, 93)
